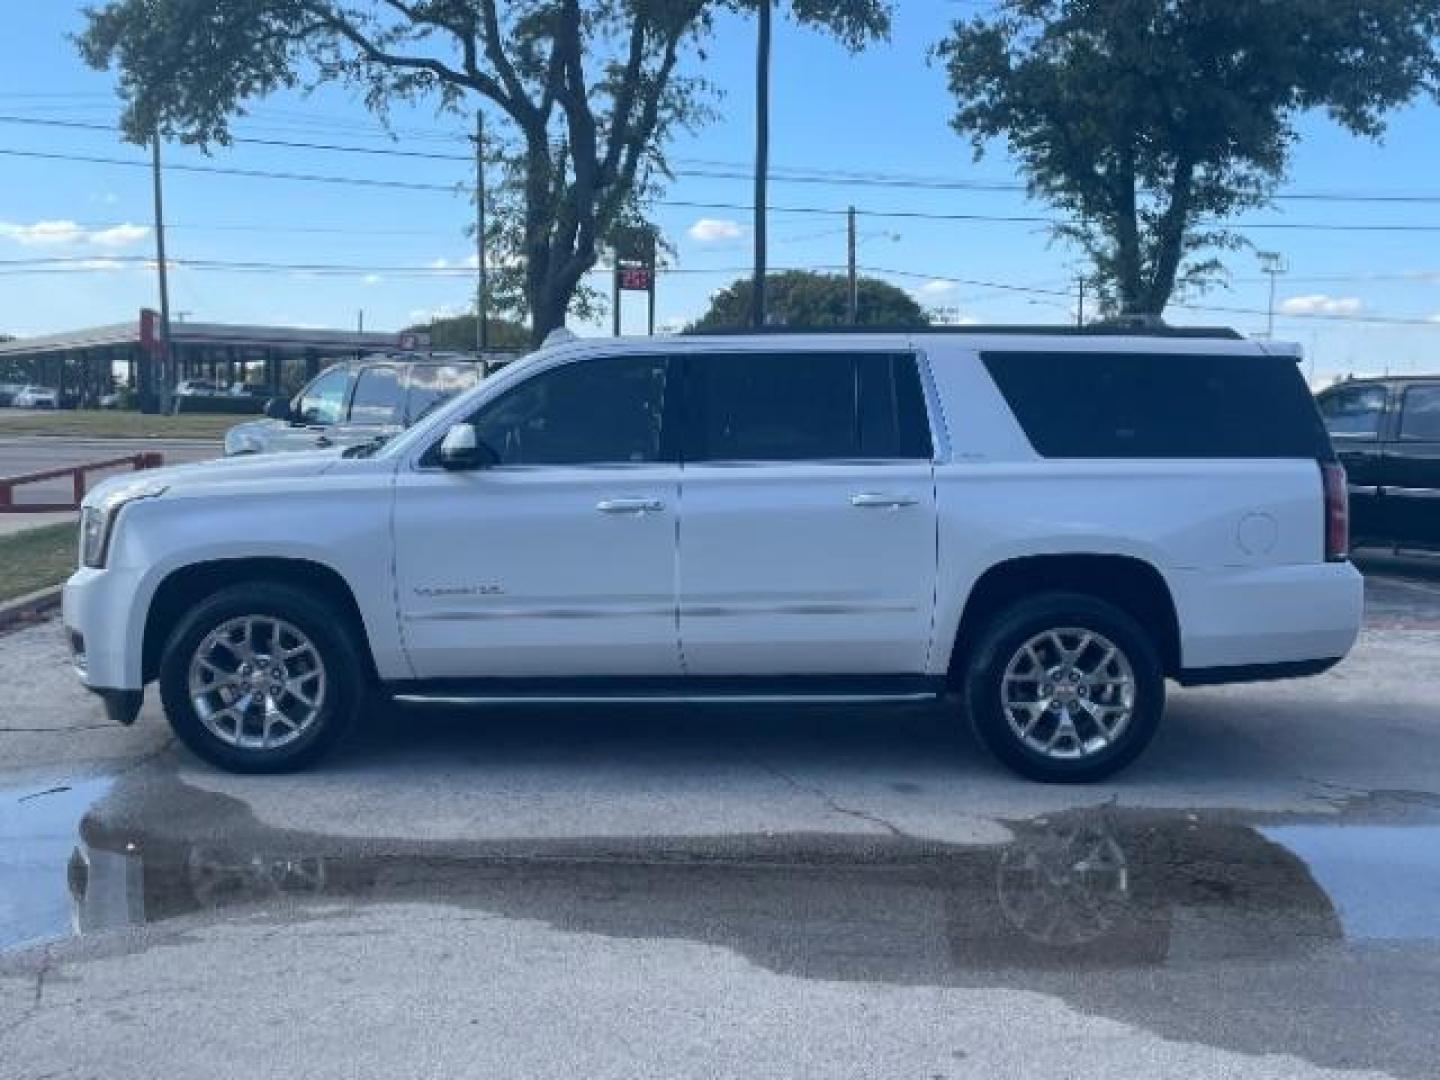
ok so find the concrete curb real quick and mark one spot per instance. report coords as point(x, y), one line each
point(28, 608)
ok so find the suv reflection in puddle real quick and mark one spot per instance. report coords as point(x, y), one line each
point(1100, 889)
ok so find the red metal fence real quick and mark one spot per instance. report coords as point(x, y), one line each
point(77, 474)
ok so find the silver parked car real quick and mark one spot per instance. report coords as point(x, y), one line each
point(36, 397)
point(354, 403)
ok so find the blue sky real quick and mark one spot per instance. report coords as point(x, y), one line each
point(884, 111)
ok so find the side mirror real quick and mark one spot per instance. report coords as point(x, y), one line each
point(278, 408)
point(462, 450)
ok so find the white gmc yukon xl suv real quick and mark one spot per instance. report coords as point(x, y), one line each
point(1043, 527)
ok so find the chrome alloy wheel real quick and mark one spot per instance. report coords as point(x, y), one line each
point(1068, 693)
point(257, 683)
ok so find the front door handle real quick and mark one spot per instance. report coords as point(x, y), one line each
point(869, 500)
point(630, 506)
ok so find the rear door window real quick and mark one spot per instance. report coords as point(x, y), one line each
point(801, 406)
point(378, 397)
point(1354, 412)
point(1420, 414)
point(1160, 405)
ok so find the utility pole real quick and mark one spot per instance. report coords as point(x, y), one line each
point(854, 293)
point(166, 375)
point(482, 305)
point(1273, 264)
point(1080, 304)
point(762, 160)
point(360, 321)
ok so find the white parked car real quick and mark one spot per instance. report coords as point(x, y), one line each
point(1041, 527)
point(36, 397)
point(354, 403)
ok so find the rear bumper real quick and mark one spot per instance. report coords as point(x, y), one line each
point(1274, 617)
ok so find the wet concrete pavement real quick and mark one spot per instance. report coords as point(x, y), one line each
point(804, 893)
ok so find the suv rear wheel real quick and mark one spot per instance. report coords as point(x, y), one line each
point(1064, 688)
point(261, 678)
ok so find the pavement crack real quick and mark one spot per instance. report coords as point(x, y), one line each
point(52, 730)
point(825, 797)
point(58, 789)
point(46, 961)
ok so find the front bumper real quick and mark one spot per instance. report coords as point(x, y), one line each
point(104, 622)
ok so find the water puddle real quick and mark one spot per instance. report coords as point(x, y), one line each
point(1113, 888)
point(39, 826)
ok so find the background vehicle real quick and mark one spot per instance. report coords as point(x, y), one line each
point(353, 403)
point(36, 397)
point(196, 388)
point(7, 393)
point(1387, 434)
point(1045, 525)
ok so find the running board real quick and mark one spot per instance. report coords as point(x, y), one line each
point(664, 699)
point(695, 690)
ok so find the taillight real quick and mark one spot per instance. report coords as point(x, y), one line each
point(1337, 512)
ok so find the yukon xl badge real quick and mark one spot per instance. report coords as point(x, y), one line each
point(458, 590)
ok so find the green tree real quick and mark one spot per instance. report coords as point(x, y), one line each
point(458, 332)
point(591, 89)
point(803, 298)
point(1151, 122)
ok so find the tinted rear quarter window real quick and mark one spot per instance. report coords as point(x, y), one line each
point(1420, 414)
point(1162, 405)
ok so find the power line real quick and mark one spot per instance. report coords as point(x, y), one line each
point(255, 174)
point(700, 168)
point(1388, 320)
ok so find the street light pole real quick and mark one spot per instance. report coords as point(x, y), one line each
point(762, 160)
point(482, 304)
point(854, 283)
point(166, 375)
point(1273, 264)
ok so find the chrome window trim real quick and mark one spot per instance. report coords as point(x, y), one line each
point(934, 415)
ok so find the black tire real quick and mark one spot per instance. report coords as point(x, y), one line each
point(345, 681)
point(1003, 638)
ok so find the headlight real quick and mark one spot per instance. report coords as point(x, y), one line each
point(97, 521)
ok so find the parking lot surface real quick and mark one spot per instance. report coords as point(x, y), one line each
point(799, 892)
point(24, 454)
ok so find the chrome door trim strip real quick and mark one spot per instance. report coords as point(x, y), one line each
point(487, 614)
point(694, 611)
point(1414, 493)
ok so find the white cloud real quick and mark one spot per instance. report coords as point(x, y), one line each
point(119, 235)
point(372, 279)
point(709, 230)
point(1321, 304)
point(936, 287)
point(444, 311)
point(104, 264)
point(439, 264)
point(63, 231)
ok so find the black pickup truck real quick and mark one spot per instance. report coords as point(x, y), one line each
point(1387, 433)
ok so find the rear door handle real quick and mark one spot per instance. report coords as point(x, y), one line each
point(870, 500)
point(630, 506)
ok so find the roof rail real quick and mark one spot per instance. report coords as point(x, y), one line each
point(1103, 329)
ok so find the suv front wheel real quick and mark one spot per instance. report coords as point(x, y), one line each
point(261, 678)
point(1064, 688)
